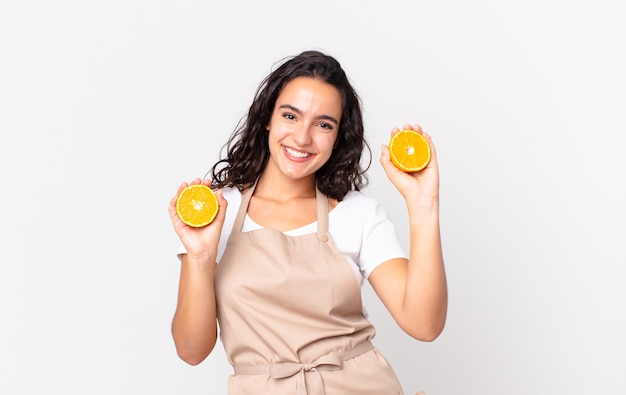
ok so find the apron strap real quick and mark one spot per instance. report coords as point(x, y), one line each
point(322, 211)
point(243, 208)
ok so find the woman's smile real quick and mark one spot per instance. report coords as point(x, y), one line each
point(296, 154)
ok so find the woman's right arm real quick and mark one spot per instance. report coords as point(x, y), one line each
point(194, 326)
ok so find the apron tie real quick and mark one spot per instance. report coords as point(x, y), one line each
point(291, 369)
point(328, 362)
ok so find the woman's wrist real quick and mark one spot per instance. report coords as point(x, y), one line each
point(205, 258)
point(423, 205)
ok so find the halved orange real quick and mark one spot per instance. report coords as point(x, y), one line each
point(409, 151)
point(197, 205)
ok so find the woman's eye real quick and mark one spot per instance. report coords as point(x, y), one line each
point(326, 126)
point(289, 116)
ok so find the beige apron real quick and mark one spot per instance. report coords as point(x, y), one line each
point(291, 318)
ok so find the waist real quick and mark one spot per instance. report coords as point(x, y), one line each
point(298, 370)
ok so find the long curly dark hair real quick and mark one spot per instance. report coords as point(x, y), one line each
point(247, 150)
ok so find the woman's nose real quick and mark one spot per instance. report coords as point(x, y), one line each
point(302, 134)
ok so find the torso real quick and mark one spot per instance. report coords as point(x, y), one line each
point(290, 314)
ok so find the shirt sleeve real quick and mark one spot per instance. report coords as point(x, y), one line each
point(380, 241)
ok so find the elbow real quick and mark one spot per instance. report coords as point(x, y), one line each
point(192, 349)
point(428, 336)
point(424, 332)
point(191, 360)
point(424, 335)
point(192, 357)
point(434, 330)
point(193, 353)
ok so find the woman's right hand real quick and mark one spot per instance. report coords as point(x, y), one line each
point(199, 242)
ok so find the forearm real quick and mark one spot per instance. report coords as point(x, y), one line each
point(426, 296)
point(194, 326)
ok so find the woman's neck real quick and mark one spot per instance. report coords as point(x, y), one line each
point(282, 188)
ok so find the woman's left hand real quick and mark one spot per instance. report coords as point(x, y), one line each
point(422, 186)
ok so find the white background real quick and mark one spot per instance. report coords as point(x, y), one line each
point(105, 107)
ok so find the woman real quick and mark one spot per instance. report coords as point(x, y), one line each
point(296, 242)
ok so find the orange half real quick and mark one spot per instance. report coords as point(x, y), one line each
point(197, 205)
point(409, 151)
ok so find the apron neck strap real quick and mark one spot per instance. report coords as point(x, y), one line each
point(243, 208)
point(322, 210)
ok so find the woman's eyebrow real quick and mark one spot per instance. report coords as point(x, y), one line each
point(299, 112)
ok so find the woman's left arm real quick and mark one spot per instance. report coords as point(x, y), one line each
point(415, 291)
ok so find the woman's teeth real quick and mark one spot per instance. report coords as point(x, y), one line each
point(297, 154)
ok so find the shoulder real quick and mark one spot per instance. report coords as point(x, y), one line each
point(358, 212)
point(357, 201)
point(359, 198)
point(232, 196)
point(231, 192)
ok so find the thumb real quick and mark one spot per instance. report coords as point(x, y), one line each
point(387, 164)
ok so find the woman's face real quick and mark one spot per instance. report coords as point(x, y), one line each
point(303, 127)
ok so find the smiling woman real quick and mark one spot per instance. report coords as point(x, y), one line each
point(298, 242)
